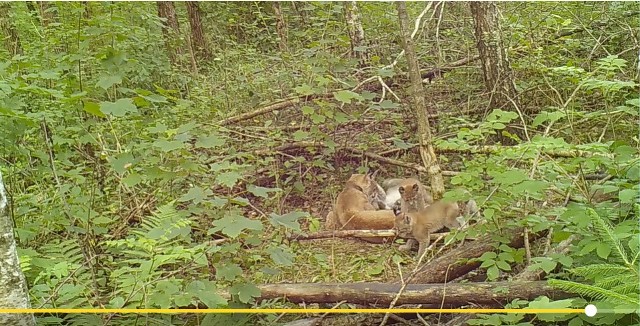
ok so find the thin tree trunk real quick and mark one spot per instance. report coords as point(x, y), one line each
point(13, 287)
point(427, 153)
point(498, 77)
point(170, 29)
point(47, 15)
point(356, 32)
point(198, 41)
point(281, 26)
point(9, 32)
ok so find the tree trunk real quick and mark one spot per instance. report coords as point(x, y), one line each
point(356, 32)
point(9, 32)
point(448, 295)
point(281, 26)
point(498, 77)
point(170, 29)
point(13, 287)
point(427, 153)
point(198, 41)
point(47, 15)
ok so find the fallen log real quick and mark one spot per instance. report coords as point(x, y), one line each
point(526, 275)
point(354, 234)
point(494, 294)
point(458, 261)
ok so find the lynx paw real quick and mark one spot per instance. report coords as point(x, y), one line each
point(405, 247)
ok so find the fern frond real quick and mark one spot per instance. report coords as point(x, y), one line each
point(606, 231)
point(599, 270)
point(594, 292)
point(614, 280)
point(627, 288)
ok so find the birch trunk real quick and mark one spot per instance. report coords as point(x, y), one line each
point(13, 287)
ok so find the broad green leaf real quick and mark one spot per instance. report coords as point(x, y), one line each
point(183, 299)
point(386, 104)
point(300, 135)
point(106, 82)
point(261, 191)
point(603, 250)
point(168, 146)
point(210, 141)
point(401, 144)
point(346, 96)
point(228, 271)
point(122, 162)
point(375, 270)
point(196, 194)
point(232, 224)
point(305, 90)
point(93, 108)
point(492, 273)
point(118, 108)
point(628, 196)
point(281, 256)
point(289, 220)
point(245, 292)
point(132, 179)
point(510, 177)
point(318, 118)
point(228, 179)
point(186, 127)
point(307, 110)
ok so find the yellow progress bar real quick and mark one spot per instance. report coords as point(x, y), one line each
point(288, 311)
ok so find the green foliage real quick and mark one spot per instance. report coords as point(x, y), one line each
point(127, 191)
point(613, 282)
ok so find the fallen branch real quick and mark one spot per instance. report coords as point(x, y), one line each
point(279, 105)
point(492, 149)
point(458, 262)
point(526, 275)
point(299, 145)
point(449, 295)
point(353, 234)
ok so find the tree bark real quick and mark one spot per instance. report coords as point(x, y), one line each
point(455, 263)
point(281, 26)
point(9, 32)
point(356, 32)
point(448, 295)
point(13, 287)
point(170, 29)
point(46, 16)
point(198, 41)
point(427, 152)
point(498, 77)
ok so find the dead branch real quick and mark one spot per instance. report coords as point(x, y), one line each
point(457, 262)
point(353, 234)
point(449, 295)
point(269, 108)
point(298, 145)
point(448, 67)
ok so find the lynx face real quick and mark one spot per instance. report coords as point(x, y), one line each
point(402, 222)
point(410, 193)
point(370, 188)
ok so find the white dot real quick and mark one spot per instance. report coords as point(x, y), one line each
point(590, 310)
